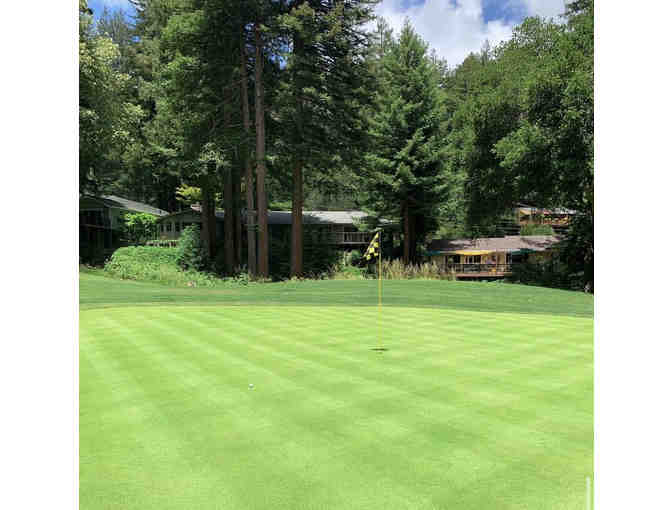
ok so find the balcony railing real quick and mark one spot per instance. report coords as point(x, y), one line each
point(340, 237)
point(479, 269)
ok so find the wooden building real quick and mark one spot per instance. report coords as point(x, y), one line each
point(334, 228)
point(489, 257)
point(101, 223)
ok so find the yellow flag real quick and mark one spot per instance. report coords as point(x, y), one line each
point(373, 249)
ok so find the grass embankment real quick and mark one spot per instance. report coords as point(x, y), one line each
point(154, 264)
point(482, 400)
point(98, 291)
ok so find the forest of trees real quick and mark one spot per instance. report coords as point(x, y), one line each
point(316, 103)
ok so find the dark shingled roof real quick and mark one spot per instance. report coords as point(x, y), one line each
point(131, 205)
point(309, 217)
point(500, 244)
point(317, 217)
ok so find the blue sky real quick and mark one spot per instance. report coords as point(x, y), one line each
point(457, 27)
point(453, 27)
point(97, 6)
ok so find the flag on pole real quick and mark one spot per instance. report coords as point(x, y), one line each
point(374, 250)
point(374, 247)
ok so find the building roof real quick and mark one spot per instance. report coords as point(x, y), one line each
point(498, 244)
point(194, 209)
point(318, 217)
point(124, 203)
point(309, 217)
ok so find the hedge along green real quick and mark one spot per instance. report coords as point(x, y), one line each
point(154, 264)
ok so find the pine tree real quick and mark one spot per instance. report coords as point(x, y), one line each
point(406, 172)
point(321, 94)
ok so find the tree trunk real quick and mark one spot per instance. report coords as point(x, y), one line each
point(237, 227)
point(229, 247)
point(208, 225)
point(297, 221)
point(261, 154)
point(407, 233)
point(249, 178)
point(296, 261)
point(413, 248)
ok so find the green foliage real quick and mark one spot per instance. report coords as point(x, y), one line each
point(107, 117)
point(155, 264)
point(578, 251)
point(397, 270)
point(522, 127)
point(353, 258)
point(139, 228)
point(348, 272)
point(406, 170)
point(553, 273)
point(318, 259)
point(536, 230)
point(189, 251)
point(189, 195)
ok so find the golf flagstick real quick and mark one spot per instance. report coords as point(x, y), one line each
point(380, 287)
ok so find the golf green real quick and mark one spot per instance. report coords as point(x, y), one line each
point(311, 406)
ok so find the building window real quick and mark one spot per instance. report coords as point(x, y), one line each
point(177, 226)
point(169, 226)
point(161, 227)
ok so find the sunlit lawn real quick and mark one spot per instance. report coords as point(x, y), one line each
point(457, 396)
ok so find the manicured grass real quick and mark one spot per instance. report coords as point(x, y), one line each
point(483, 398)
point(98, 291)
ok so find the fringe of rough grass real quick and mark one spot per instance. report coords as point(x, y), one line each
point(393, 270)
point(397, 270)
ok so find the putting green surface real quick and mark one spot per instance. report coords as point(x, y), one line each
point(452, 408)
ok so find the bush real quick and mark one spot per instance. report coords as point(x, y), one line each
point(155, 264)
point(536, 230)
point(552, 273)
point(353, 258)
point(348, 272)
point(139, 227)
point(190, 253)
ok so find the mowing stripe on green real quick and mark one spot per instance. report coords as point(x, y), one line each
point(465, 409)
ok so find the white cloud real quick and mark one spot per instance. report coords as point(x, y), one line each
point(456, 27)
point(545, 8)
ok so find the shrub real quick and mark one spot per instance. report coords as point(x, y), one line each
point(348, 272)
point(396, 270)
point(156, 264)
point(353, 258)
point(552, 273)
point(139, 227)
point(536, 230)
point(190, 254)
